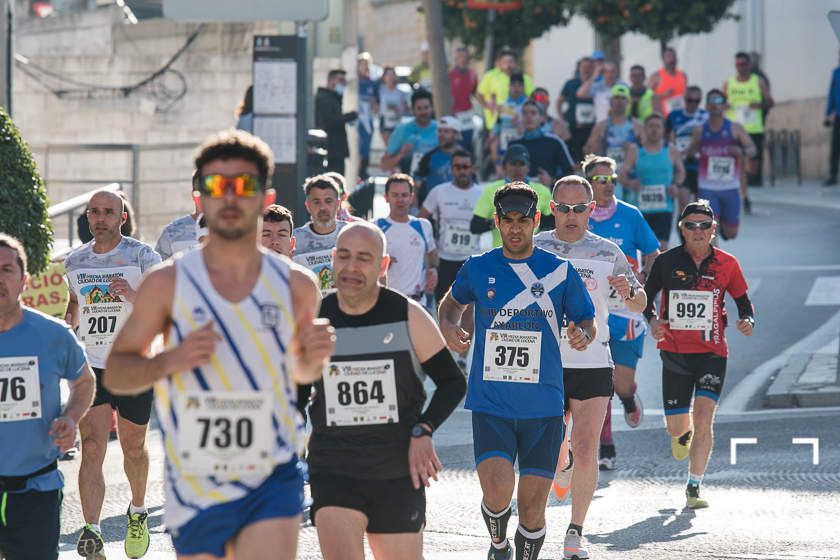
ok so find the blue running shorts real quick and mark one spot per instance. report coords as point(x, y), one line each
point(534, 441)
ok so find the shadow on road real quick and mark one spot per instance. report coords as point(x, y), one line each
point(669, 526)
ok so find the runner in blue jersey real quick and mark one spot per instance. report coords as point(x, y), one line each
point(36, 353)
point(680, 125)
point(625, 226)
point(515, 389)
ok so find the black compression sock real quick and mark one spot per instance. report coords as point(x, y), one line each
point(684, 438)
point(578, 528)
point(528, 542)
point(496, 522)
point(629, 404)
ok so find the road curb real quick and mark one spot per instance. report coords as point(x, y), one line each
point(806, 381)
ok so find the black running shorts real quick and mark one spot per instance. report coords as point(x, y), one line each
point(582, 384)
point(136, 409)
point(31, 525)
point(690, 375)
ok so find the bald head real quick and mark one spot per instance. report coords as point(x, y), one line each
point(107, 199)
point(355, 233)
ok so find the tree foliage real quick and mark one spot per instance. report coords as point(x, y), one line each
point(513, 29)
point(23, 197)
point(661, 20)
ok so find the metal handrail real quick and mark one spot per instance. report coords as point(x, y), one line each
point(68, 208)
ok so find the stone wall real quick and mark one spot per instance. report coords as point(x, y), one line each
point(98, 47)
point(806, 116)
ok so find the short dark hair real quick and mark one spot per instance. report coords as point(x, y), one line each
point(637, 67)
point(421, 94)
point(698, 89)
point(322, 181)
point(654, 116)
point(591, 161)
point(237, 144)
point(335, 72)
point(742, 54)
point(532, 103)
point(516, 187)
point(461, 152)
point(15, 245)
point(277, 213)
point(506, 52)
point(399, 178)
point(540, 89)
point(518, 78)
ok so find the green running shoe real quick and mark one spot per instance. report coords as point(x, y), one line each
point(693, 499)
point(90, 542)
point(136, 535)
point(680, 446)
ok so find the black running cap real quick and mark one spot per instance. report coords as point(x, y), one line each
point(516, 203)
point(697, 208)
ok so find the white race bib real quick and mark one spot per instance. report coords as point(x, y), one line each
point(653, 197)
point(390, 117)
point(674, 103)
point(320, 263)
point(746, 115)
point(690, 310)
point(99, 323)
point(360, 393)
point(616, 153)
point(466, 120)
point(615, 302)
point(415, 162)
point(512, 356)
point(457, 239)
point(20, 389)
point(225, 433)
point(584, 113)
point(720, 169)
point(682, 143)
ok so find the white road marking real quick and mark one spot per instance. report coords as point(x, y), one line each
point(824, 291)
point(733, 447)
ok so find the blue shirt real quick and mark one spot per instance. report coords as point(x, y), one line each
point(25, 444)
point(628, 229)
point(423, 139)
point(834, 93)
point(683, 125)
point(435, 168)
point(530, 296)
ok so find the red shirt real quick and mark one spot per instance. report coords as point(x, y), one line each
point(674, 270)
point(462, 85)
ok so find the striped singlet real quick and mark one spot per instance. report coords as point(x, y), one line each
point(250, 361)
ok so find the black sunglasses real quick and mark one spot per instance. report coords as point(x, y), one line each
point(576, 208)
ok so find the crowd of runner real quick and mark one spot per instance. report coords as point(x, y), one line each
point(277, 356)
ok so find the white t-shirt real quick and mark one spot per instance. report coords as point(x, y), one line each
point(452, 209)
point(594, 258)
point(408, 243)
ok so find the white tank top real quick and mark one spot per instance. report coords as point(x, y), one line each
point(249, 365)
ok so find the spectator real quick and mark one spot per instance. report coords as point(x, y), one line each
point(598, 87)
point(392, 104)
point(368, 108)
point(493, 89)
point(435, 165)
point(549, 124)
point(330, 119)
point(411, 139)
point(463, 82)
point(509, 122)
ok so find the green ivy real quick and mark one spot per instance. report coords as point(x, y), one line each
point(23, 197)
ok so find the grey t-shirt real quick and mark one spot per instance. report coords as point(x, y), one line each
point(89, 275)
point(179, 235)
point(314, 251)
point(595, 259)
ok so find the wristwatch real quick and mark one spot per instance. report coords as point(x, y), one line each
point(419, 430)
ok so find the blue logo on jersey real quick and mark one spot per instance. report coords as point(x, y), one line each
point(537, 290)
point(199, 315)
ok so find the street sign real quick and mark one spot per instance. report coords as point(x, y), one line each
point(246, 10)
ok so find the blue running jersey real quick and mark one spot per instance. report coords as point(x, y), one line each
point(519, 311)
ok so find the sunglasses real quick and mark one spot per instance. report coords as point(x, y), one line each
point(692, 100)
point(576, 208)
point(216, 185)
point(604, 178)
point(717, 100)
point(691, 226)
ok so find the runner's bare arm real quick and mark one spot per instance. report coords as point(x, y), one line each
point(314, 339)
point(744, 140)
point(82, 390)
point(131, 367)
point(596, 139)
point(679, 168)
point(449, 314)
point(629, 165)
point(71, 313)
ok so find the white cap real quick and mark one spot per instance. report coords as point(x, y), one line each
point(450, 122)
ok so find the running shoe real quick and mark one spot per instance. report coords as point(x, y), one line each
point(90, 542)
point(505, 553)
point(680, 446)
point(634, 418)
point(747, 205)
point(563, 479)
point(573, 546)
point(606, 464)
point(693, 499)
point(136, 535)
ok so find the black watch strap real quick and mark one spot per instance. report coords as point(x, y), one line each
point(419, 430)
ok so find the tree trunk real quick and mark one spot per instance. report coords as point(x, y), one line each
point(6, 55)
point(437, 61)
point(611, 47)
